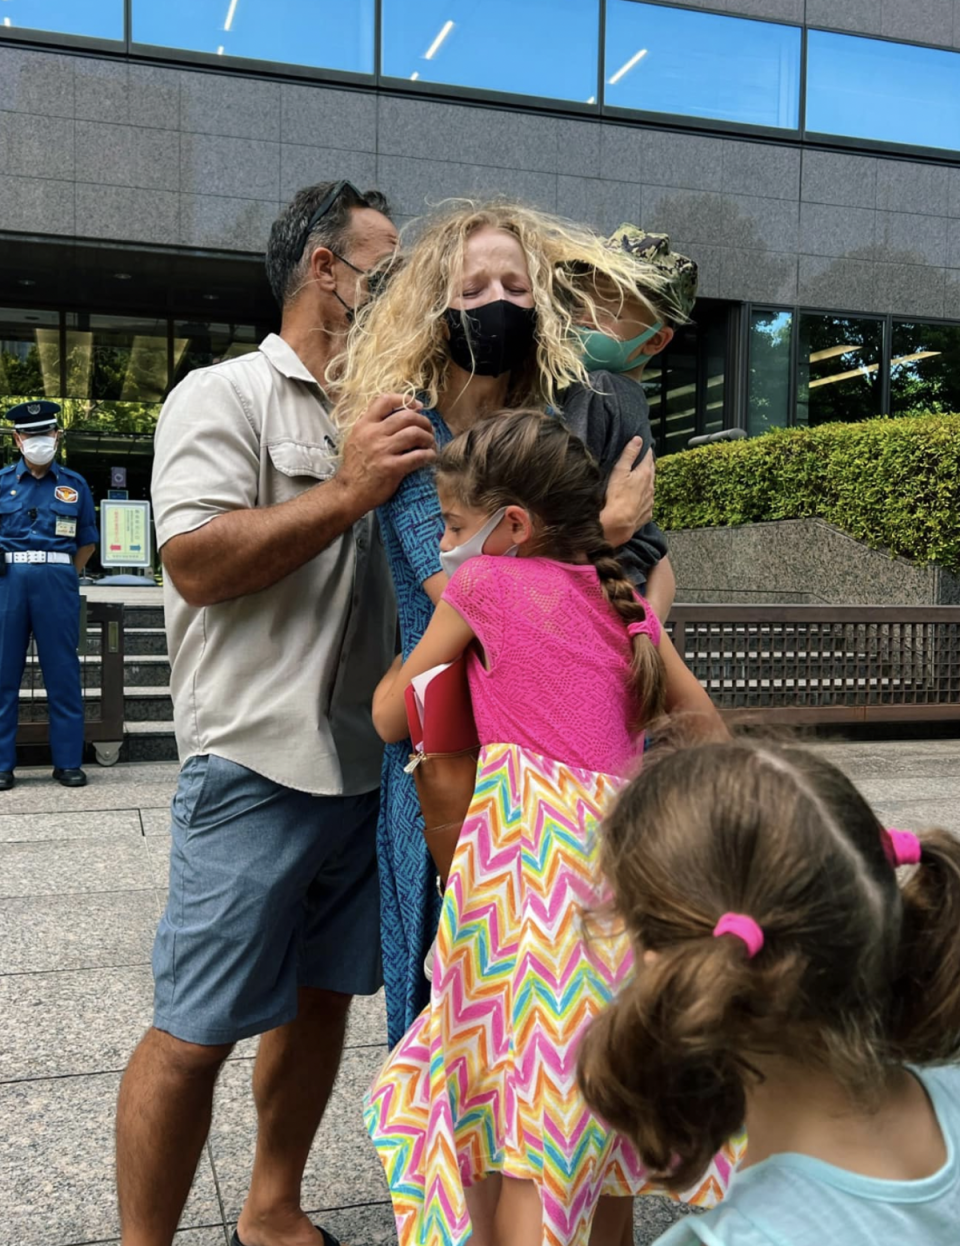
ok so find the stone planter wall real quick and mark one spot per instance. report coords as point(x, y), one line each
point(800, 562)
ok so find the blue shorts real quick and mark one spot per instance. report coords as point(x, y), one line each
point(270, 890)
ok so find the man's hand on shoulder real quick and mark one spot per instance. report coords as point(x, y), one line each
point(628, 505)
point(389, 441)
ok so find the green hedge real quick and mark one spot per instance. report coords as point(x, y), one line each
point(892, 483)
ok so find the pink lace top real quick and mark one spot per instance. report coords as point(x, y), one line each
point(557, 660)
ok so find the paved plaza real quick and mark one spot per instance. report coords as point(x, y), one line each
point(82, 878)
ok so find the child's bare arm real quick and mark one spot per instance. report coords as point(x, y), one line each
point(686, 697)
point(661, 589)
point(445, 639)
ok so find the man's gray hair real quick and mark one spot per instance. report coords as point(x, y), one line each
point(288, 251)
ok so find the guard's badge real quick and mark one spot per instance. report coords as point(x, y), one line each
point(65, 494)
point(33, 408)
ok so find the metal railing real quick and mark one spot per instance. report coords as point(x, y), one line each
point(825, 664)
point(101, 673)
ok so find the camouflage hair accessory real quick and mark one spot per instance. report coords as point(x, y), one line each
point(680, 292)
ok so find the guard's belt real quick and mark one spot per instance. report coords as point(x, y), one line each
point(37, 555)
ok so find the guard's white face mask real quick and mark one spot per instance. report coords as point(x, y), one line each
point(39, 450)
point(451, 559)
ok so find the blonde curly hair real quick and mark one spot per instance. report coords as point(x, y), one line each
point(398, 342)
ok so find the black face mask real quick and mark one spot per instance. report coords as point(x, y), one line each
point(500, 333)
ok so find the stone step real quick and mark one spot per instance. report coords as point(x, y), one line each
point(145, 704)
point(149, 741)
point(136, 640)
point(143, 616)
point(141, 670)
point(140, 704)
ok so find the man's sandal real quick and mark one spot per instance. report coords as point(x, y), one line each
point(328, 1238)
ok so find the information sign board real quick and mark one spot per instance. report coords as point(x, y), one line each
point(125, 535)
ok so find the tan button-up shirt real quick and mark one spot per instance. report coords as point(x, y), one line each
point(280, 681)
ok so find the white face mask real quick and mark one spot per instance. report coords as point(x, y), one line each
point(451, 559)
point(39, 450)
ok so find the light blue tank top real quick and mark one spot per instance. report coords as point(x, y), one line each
point(795, 1200)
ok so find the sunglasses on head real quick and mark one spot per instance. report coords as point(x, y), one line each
point(325, 204)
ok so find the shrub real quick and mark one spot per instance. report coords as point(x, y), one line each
point(892, 483)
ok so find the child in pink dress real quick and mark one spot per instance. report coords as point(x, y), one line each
point(482, 1129)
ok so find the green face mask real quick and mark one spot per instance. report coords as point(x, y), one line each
point(602, 353)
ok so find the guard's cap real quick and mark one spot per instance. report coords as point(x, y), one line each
point(680, 271)
point(34, 417)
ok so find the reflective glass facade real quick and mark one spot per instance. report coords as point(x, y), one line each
point(925, 367)
point(889, 92)
point(97, 19)
point(545, 48)
point(839, 361)
point(657, 58)
point(694, 64)
point(320, 33)
point(110, 373)
point(768, 393)
point(810, 368)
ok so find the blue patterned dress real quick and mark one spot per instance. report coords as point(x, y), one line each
point(409, 904)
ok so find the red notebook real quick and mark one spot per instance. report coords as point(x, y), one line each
point(446, 723)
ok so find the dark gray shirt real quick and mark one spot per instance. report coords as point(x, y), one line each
point(605, 418)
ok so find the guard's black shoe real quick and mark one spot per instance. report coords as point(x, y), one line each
point(6, 780)
point(70, 778)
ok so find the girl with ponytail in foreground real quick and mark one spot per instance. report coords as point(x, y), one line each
point(789, 976)
point(477, 1115)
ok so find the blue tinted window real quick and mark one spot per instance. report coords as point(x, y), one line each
point(702, 65)
point(100, 19)
point(328, 34)
point(528, 47)
point(868, 88)
point(769, 394)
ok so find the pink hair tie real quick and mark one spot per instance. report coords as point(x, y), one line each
point(650, 626)
point(744, 928)
point(906, 848)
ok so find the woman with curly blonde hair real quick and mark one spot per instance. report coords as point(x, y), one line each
point(479, 317)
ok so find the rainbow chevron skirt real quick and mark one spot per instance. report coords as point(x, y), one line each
point(484, 1081)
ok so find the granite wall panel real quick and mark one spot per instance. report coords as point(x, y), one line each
point(621, 149)
point(36, 205)
point(37, 146)
point(342, 119)
point(245, 168)
point(40, 83)
point(826, 229)
point(303, 166)
point(126, 155)
point(758, 276)
point(235, 107)
point(127, 214)
point(906, 186)
point(910, 289)
point(696, 215)
point(837, 178)
point(908, 238)
point(919, 21)
point(764, 169)
point(690, 161)
point(225, 223)
point(861, 17)
point(781, 10)
point(837, 282)
point(602, 204)
point(755, 223)
point(170, 155)
point(799, 560)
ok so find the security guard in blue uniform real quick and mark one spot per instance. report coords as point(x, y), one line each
point(47, 533)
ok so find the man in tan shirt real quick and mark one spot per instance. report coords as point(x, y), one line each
point(280, 621)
